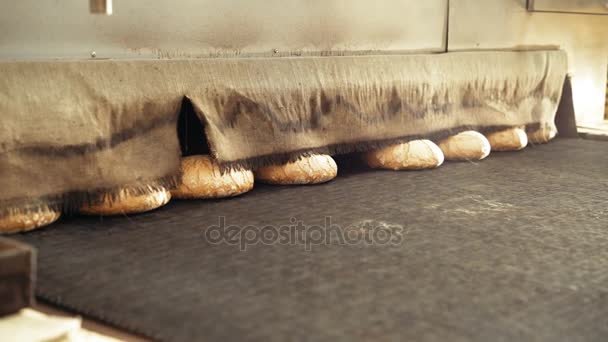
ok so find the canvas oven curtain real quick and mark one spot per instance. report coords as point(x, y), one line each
point(71, 130)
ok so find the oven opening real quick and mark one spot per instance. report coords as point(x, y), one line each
point(191, 132)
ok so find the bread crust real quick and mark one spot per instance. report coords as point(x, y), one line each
point(468, 145)
point(202, 178)
point(542, 135)
point(22, 222)
point(312, 169)
point(511, 139)
point(126, 202)
point(413, 155)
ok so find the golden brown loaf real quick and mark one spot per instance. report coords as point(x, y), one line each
point(468, 145)
point(129, 202)
point(307, 170)
point(21, 222)
point(201, 178)
point(542, 135)
point(512, 139)
point(413, 155)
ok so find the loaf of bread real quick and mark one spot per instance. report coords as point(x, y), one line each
point(201, 178)
point(512, 139)
point(307, 170)
point(128, 201)
point(28, 220)
point(542, 135)
point(468, 145)
point(413, 155)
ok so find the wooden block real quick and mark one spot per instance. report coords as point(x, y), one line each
point(17, 276)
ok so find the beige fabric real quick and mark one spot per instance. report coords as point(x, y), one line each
point(127, 202)
point(201, 178)
point(511, 139)
point(94, 126)
point(307, 170)
point(413, 155)
point(315, 102)
point(24, 221)
point(469, 145)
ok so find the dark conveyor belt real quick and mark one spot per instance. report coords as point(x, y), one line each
point(512, 248)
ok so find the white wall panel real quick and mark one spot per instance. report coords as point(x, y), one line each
point(489, 24)
point(192, 28)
